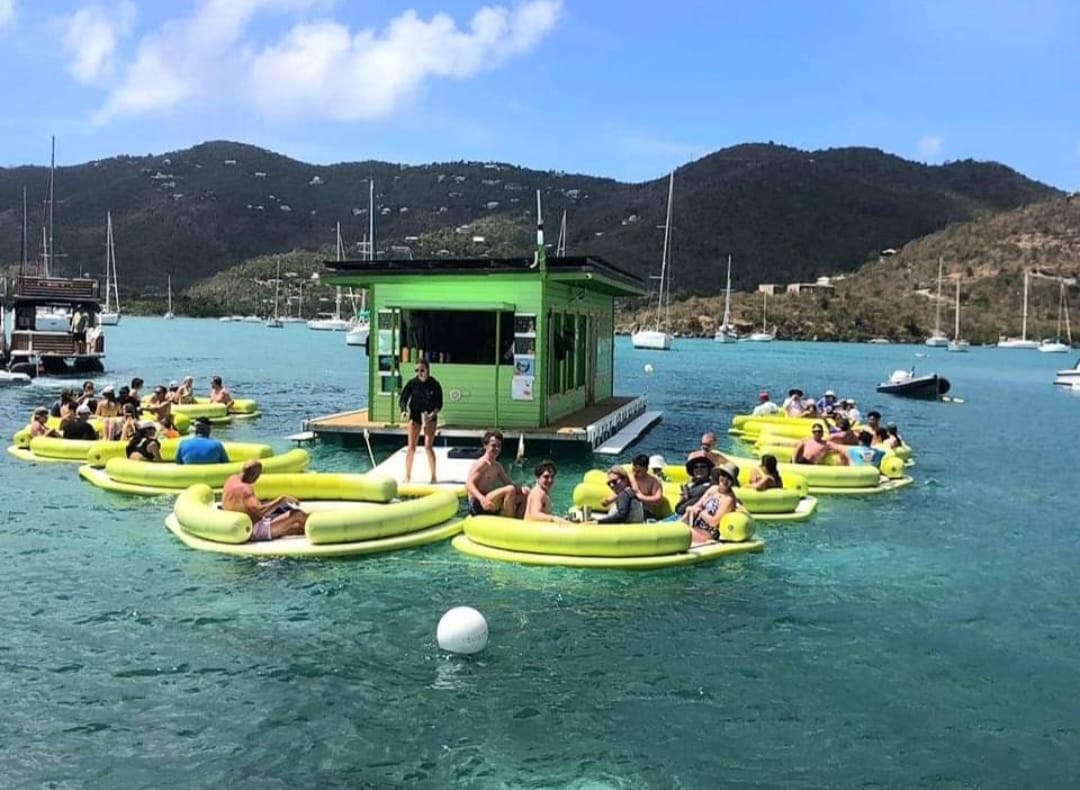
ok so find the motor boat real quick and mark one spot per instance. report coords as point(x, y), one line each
point(906, 384)
point(9, 379)
point(1069, 376)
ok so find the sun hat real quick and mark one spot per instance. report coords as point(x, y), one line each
point(699, 460)
point(728, 470)
point(174, 385)
point(108, 389)
point(763, 395)
point(83, 409)
point(830, 393)
point(657, 462)
point(144, 424)
point(795, 391)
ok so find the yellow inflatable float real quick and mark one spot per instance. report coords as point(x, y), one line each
point(51, 448)
point(348, 514)
point(625, 546)
point(124, 476)
point(834, 480)
point(239, 409)
point(790, 503)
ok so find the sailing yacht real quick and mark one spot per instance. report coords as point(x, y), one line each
point(1055, 346)
point(656, 338)
point(1022, 341)
point(332, 322)
point(956, 344)
point(110, 314)
point(275, 322)
point(938, 340)
point(725, 333)
point(359, 327)
point(169, 313)
point(764, 336)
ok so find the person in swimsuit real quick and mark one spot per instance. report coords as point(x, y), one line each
point(815, 449)
point(39, 424)
point(767, 475)
point(186, 393)
point(420, 402)
point(692, 491)
point(218, 392)
point(648, 489)
point(625, 506)
point(144, 446)
point(704, 517)
point(538, 502)
point(490, 490)
point(707, 450)
point(269, 520)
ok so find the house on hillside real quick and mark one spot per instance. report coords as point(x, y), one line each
point(821, 285)
point(768, 288)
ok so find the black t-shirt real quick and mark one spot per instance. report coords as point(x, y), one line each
point(420, 396)
point(692, 492)
point(79, 429)
point(141, 445)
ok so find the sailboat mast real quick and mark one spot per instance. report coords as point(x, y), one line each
point(108, 246)
point(664, 258)
point(371, 219)
point(765, 312)
point(560, 245)
point(1023, 319)
point(937, 314)
point(956, 323)
point(25, 240)
point(52, 185)
point(727, 297)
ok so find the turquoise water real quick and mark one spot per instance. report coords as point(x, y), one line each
point(926, 638)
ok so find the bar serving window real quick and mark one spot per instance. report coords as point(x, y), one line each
point(458, 337)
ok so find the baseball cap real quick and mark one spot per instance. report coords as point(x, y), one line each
point(763, 395)
point(83, 409)
point(144, 424)
point(830, 393)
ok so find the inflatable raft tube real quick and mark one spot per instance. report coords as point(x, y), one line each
point(777, 504)
point(825, 479)
point(739, 421)
point(892, 465)
point(123, 476)
point(238, 407)
point(347, 515)
point(24, 454)
point(763, 442)
point(626, 546)
point(102, 452)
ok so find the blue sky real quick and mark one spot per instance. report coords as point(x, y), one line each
point(620, 89)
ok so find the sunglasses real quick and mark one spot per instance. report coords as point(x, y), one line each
point(613, 482)
point(420, 370)
point(817, 431)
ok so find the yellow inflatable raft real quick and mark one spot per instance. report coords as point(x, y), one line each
point(892, 465)
point(823, 479)
point(791, 503)
point(141, 477)
point(348, 514)
point(239, 409)
point(627, 546)
point(50, 448)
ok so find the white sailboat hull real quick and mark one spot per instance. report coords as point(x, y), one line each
point(1053, 347)
point(328, 324)
point(958, 345)
point(725, 336)
point(357, 335)
point(1017, 342)
point(761, 337)
point(652, 339)
point(108, 319)
point(937, 341)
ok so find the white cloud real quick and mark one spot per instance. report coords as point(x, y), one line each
point(7, 13)
point(190, 57)
point(930, 145)
point(90, 38)
point(320, 67)
point(324, 68)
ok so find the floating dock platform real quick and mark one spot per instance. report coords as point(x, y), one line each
point(607, 427)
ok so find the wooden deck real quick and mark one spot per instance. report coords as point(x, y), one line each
point(593, 425)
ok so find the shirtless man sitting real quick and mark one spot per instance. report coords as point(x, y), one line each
point(491, 491)
point(269, 520)
point(708, 450)
point(538, 503)
point(218, 392)
point(649, 489)
point(815, 449)
point(159, 404)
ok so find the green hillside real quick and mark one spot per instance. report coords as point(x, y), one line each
point(784, 214)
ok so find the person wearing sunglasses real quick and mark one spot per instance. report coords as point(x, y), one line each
point(625, 506)
point(704, 517)
point(707, 449)
point(693, 490)
point(490, 490)
point(420, 402)
point(815, 449)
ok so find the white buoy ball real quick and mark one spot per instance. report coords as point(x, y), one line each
point(462, 630)
point(648, 369)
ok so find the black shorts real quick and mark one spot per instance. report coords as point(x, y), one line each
point(80, 336)
point(477, 509)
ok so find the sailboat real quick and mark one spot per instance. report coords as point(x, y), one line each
point(656, 338)
point(169, 313)
point(956, 344)
point(275, 322)
point(725, 333)
point(332, 322)
point(356, 333)
point(1022, 341)
point(939, 340)
point(1055, 346)
point(764, 336)
point(110, 314)
point(299, 317)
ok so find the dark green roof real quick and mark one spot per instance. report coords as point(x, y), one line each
point(585, 270)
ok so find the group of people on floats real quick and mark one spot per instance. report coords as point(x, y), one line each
point(123, 415)
point(636, 495)
point(850, 439)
